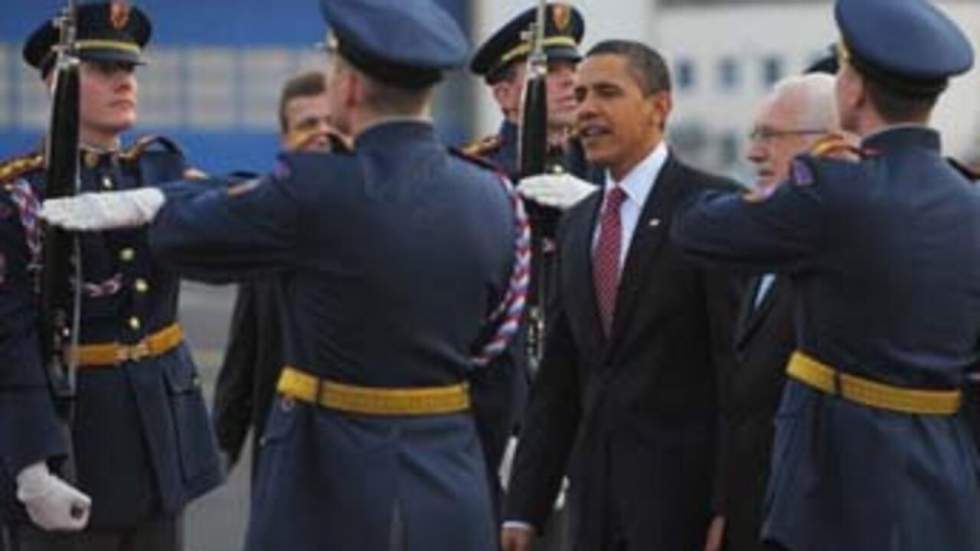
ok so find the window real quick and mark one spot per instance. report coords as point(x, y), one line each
point(264, 72)
point(685, 75)
point(772, 71)
point(212, 96)
point(30, 98)
point(728, 149)
point(728, 73)
point(160, 85)
point(6, 87)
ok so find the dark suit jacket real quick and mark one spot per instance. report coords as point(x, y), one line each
point(764, 340)
point(632, 419)
point(254, 357)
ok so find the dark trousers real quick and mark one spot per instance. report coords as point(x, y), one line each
point(163, 534)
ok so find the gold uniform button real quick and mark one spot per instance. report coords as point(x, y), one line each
point(91, 159)
point(134, 323)
point(107, 182)
point(127, 255)
point(142, 286)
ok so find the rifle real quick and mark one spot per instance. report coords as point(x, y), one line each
point(59, 306)
point(532, 153)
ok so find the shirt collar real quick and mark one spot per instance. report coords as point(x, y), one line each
point(639, 181)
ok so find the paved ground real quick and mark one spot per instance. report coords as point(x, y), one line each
point(215, 522)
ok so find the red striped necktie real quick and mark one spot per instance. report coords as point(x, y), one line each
point(605, 257)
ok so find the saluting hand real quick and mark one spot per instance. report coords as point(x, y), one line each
point(561, 191)
point(103, 211)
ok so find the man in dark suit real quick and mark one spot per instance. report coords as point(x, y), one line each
point(790, 121)
point(626, 401)
point(872, 450)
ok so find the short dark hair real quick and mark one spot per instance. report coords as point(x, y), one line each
point(505, 73)
point(312, 83)
point(896, 107)
point(648, 67)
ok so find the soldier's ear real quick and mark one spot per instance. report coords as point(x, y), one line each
point(350, 87)
point(507, 94)
point(850, 89)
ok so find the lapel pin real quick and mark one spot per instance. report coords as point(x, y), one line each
point(654, 222)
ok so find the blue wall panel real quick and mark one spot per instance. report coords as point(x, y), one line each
point(184, 28)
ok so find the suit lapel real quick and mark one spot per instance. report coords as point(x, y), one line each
point(579, 258)
point(751, 316)
point(651, 232)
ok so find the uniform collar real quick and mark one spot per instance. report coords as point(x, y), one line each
point(903, 135)
point(395, 130)
point(508, 132)
point(92, 156)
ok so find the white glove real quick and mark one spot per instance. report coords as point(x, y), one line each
point(51, 503)
point(561, 191)
point(104, 211)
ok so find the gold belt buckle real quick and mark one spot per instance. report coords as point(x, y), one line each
point(133, 353)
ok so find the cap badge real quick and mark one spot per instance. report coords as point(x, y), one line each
point(561, 16)
point(119, 14)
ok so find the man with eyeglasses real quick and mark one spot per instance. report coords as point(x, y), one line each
point(796, 114)
point(872, 449)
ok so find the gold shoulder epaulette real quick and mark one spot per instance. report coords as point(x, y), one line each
point(835, 146)
point(14, 168)
point(141, 145)
point(483, 146)
point(191, 173)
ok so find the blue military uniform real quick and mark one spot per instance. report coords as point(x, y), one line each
point(142, 442)
point(510, 45)
point(390, 259)
point(883, 251)
point(500, 395)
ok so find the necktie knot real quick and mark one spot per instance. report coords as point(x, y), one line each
point(615, 198)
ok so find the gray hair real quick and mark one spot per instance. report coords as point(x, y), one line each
point(813, 94)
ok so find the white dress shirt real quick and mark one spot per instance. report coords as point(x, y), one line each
point(765, 283)
point(637, 184)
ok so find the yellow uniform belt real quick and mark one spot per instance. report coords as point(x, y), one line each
point(370, 400)
point(814, 373)
point(114, 353)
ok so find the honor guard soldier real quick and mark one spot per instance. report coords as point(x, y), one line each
point(140, 435)
point(502, 62)
point(403, 269)
point(500, 395)
point(882, 246)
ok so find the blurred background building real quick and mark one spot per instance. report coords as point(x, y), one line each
point(215, 71)
point(217, 66)
point(725, 54)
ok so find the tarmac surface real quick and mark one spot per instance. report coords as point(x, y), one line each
point(215, 522)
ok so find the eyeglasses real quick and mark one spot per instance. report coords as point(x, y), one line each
point(765, 133)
